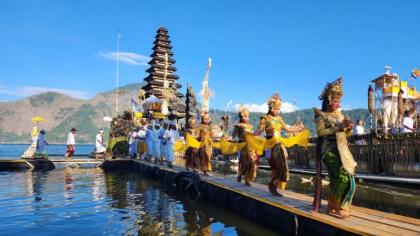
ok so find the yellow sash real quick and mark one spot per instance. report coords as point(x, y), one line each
point(255, 143)
point(259, 144)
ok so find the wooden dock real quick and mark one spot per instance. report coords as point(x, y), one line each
point(297, 207)
point(359, 176)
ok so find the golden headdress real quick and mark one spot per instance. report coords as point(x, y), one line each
point(332, 90)
point(274, 101)
point(243, 111)
point(205, 115)
point(192, 120)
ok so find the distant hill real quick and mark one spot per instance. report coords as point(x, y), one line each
point(62, 113)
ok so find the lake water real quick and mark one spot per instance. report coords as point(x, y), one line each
point(89, 201)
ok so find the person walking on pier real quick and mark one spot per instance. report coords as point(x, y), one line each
point(99, 142)
point(247, 158)
point(40, 145)
point(205, 137)
point(272, 124)
point(149, 141)
point(171, 134)
point(156, 142)
point(191, 154)
point(141, 141)
point(71, 143)
point(132, 143)
point(162, 142)
point(333, 127)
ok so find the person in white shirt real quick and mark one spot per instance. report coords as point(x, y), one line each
point(156, 142)
point(408, 122)
point(170, 136)
point(40, 145)
point(359, 130)
point(132, 143)
point(162, 141)
point(141, 140)
point(149, 141)
point(71, 143)
point(100, 146)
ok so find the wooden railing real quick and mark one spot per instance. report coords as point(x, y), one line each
point(394, 155)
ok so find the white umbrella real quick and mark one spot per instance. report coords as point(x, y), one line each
point(152, 99)
point(107, 119)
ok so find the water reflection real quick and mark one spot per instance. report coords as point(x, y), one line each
point(68, 185)
point(88, 201)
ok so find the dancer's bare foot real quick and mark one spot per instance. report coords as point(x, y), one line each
point(273, 190)
point(343, 213)
point(239, 178)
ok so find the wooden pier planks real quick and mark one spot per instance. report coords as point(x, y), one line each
point(363, 221)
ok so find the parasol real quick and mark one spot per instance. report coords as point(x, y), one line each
point(152, 99)
point(37, 119)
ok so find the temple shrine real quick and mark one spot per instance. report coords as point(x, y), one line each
point(161, 80)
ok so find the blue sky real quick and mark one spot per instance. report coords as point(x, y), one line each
point(257, 47)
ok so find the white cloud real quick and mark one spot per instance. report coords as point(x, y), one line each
point(130, 58)
point(263, 108)
point(28, 91)
point(288, 107)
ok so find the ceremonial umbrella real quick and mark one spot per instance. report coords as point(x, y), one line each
point(152, 99)
point(37, 119)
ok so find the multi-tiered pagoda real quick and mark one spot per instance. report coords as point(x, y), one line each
point(155, 79)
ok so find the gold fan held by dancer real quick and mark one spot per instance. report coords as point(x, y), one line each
point(333, 127)
point(272, 124)
point(247, 158)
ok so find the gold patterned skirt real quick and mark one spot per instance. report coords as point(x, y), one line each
point(205, 153)
point(192, 159)
point(248, 164)
point(278, 164)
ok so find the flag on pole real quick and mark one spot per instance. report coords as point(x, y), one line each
point(135, 106)
point(415, 73)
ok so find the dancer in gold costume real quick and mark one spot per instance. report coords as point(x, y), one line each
point(247, 158)
point(333, 127)
point(192, 159)
point(272, 124)
point(205, 137)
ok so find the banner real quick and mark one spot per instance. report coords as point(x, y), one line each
point(135, 107)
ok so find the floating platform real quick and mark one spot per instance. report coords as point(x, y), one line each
point(291, 214)
point(26, 164)
point(42, 164)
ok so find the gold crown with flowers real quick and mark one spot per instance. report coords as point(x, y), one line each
point(332, 90)
point(274, 101)
point(243, 111)
point(205, 115)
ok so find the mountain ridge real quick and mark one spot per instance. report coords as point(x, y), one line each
point(63, 112)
